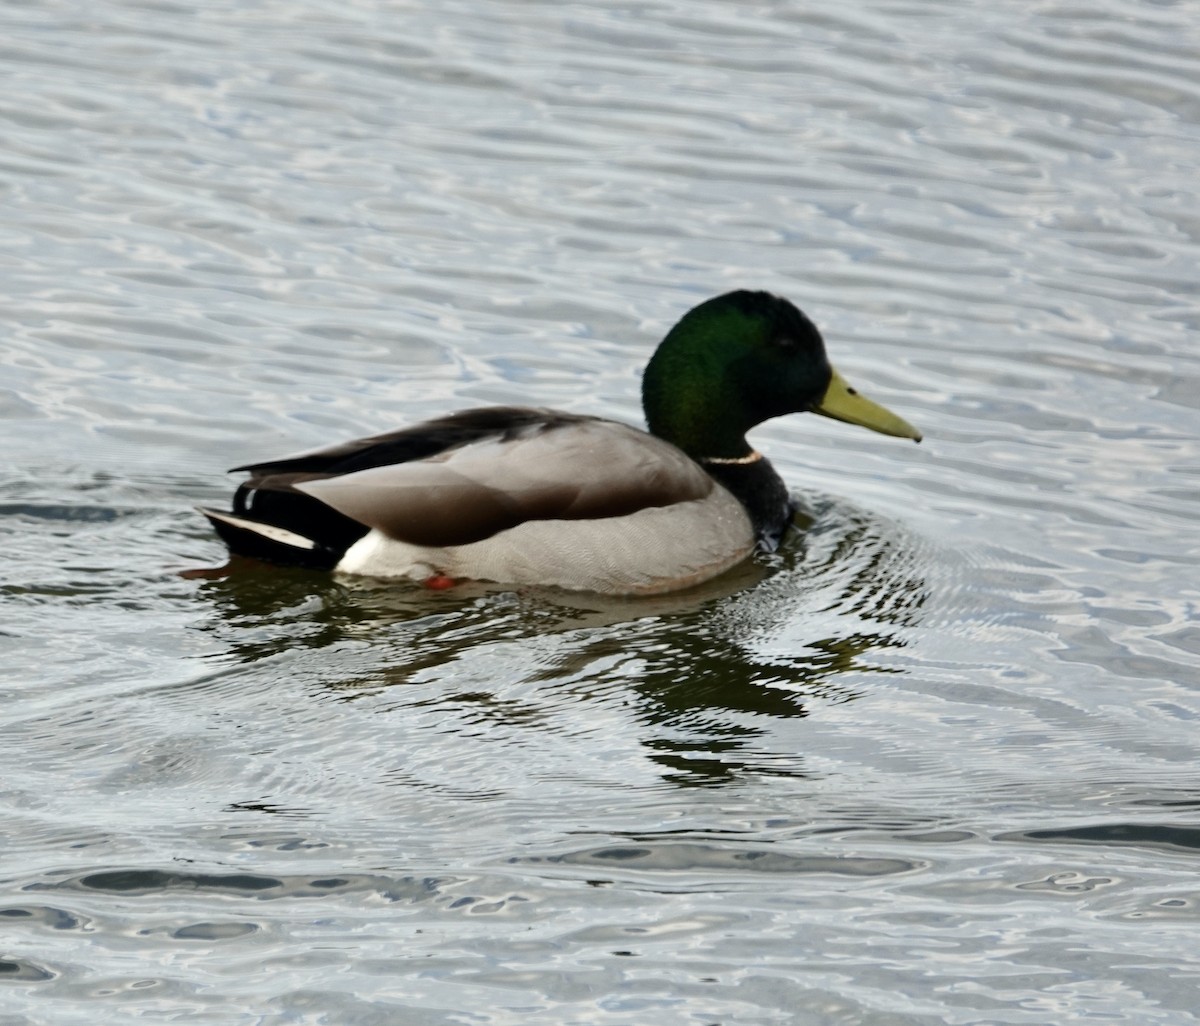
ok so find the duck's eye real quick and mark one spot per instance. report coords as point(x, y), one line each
point(786, 344)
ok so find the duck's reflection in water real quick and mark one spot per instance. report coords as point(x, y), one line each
point(702, 673)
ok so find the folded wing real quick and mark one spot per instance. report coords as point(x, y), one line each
point(452, 481)
point(560, 469)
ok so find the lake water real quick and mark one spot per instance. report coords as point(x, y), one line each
point(936, 762)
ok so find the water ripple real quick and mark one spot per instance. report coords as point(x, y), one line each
point(934, 752)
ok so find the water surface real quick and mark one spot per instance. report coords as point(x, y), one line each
point(935, 762)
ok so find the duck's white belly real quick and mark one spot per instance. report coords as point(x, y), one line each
point(654, 550)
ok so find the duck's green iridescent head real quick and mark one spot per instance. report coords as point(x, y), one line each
point(742, 358)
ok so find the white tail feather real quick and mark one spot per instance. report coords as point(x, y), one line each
point(275, 534)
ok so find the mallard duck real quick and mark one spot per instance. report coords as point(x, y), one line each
point(522, 496)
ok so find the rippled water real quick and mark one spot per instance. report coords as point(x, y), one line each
point(937, 762)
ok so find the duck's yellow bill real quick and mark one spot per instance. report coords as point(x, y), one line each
point(841, 402)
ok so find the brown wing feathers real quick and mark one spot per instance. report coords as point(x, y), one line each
point(466, 477)
point(575, 470)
